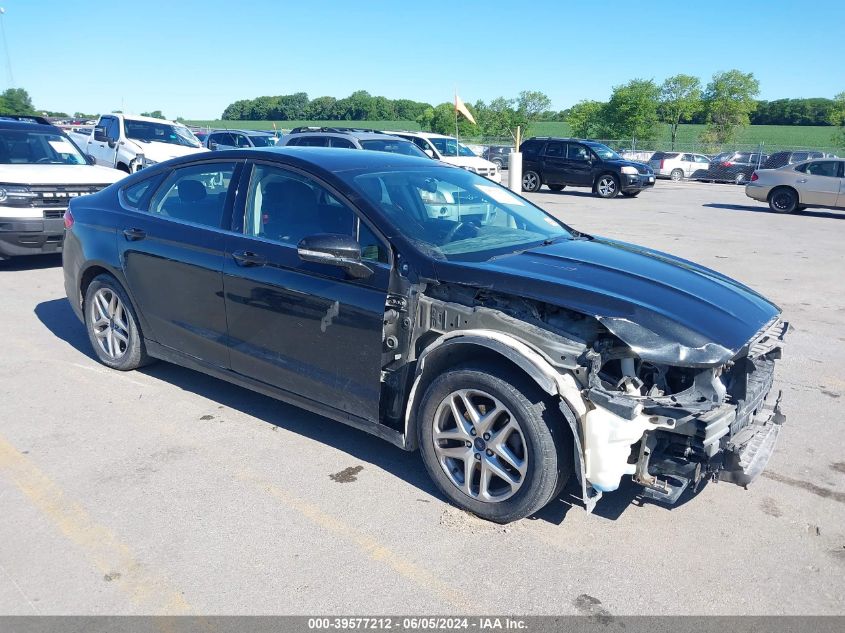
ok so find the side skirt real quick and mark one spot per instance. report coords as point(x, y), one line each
point(374, 428)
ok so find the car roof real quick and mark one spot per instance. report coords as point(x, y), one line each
point(246, 132)
point(11, 124)
point(361, 136)
point(420, 134)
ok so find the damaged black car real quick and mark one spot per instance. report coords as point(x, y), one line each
point(439, 311)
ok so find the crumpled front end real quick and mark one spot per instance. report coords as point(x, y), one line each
point(671, 427)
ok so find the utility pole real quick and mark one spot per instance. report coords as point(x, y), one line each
point(6, 47)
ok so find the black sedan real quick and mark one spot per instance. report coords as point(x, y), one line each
point(437, 310)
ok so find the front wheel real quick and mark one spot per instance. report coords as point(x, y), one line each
point(492, 444)
point(556, 187)
point(531, 181)
point(739, 179)
point(607, 186)
point(113, 326)
point(783, 200)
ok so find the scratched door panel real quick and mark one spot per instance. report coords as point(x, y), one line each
point(305, 327)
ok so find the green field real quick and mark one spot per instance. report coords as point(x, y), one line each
point(287, 125)
point(772, 137)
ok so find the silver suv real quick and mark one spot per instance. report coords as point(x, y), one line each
point(350, 138)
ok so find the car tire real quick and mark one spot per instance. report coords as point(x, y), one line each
point(607, 186)
point(556, 187)
point(531, 181)
point(783, 200)
point(739, 179)
point(112, 325)
point(677, 175)
point(528, 431)
point(498, 163)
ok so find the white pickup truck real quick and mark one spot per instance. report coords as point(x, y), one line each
point(129, 143)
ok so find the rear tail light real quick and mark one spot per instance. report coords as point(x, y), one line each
point(754, 176)
point(661, 163)
point(68, 218)
point(727, 163)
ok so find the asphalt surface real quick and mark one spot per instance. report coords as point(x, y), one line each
point(166, 491)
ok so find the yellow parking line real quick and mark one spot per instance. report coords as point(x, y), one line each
point(368, 545)
point(149, 592)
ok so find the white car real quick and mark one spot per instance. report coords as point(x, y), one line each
point(41, 170)
point(678, 165)
point(129, 142)
point(449, 150)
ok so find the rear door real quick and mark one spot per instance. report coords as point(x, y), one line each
point(173, 254)
point(309, 329)
point(554, 163)
point(821, 183)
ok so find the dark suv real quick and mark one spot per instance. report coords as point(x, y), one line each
point(498, 154)
point(780, 159)
point(557, 162)
point(736, 167)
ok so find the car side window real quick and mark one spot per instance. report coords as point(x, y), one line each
point(342, 142)
point(829, 168)
point(577, 152)
point(797, 157)
point(196, 193)
point(241, 141)
point(313, 141)
point(112, 128)
point(285, 207)
point(701, 159)
point(132, 195)
point(555, 150)
point(687, 158)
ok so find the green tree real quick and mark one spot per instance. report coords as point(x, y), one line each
point(585, 118)
point(632, 111)
point(729, 99)
point(441, 120)
point(321, 109)
point(16, 101)
point(155, 114)
point(680, 99)
point(530, 105)
point(837, 117)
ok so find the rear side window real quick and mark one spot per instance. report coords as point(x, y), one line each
point(133, 195)
point(313, 141)
point(531, 147)
point(342, 142)
point(196, 193)
point(555, 150)
point(828, 168)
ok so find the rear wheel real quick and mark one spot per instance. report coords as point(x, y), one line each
point(492, 443)
point(113, 326)
point(556, 187)
point(607, 186)
point(531, 181)
point(677, 174)
point(783, 200)
point(739, 178)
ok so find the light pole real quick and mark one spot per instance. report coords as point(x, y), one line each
point(6, 47)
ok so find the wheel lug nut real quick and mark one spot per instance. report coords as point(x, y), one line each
point(486, 436)
point(472, 431)
point(469, 443)
point(478, 456)
point(489, 453)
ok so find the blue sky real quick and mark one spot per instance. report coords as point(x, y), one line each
point(191, 58)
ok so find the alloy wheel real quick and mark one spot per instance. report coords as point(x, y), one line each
point(109, 323)
point(480, 445)
point(530, 181)
point(606, 187)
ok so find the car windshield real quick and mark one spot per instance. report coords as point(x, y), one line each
point(147, 131)
point(451, 147)
point(395, 146)
point(35, 147)
point(263, 141)
point(604, 152)
point(453, 214)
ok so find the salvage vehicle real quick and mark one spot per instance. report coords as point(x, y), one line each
point(40, 171)
point(815, 183)
point(129, 142)
point(449, 150)
point(511, 349)
point(558, 162)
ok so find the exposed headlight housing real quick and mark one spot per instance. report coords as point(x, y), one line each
point(468, 168)
point(16, 195)
point(628, 169)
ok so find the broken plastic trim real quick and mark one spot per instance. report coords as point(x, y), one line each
point(651, 346)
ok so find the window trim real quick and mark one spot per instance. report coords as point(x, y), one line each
point(239, 207)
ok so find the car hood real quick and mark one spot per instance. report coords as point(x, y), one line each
point(154, 150)
point(468, 161)
point(666, 308)
point(58, 174)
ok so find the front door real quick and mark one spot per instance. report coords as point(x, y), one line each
point(579, 166)
point(173, 254)
point(309, 329)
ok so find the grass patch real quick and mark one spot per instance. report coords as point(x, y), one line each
point(287, 125)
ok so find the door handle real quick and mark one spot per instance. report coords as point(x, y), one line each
point(133, 235)
point(248, 258)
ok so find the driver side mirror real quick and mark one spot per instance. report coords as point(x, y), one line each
point(342, 251)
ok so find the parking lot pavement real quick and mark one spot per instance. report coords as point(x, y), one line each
point(165, 491)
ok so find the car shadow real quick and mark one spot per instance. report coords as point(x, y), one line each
point(58, 317)
point(813, 213)
point(31, 262)
point(571, 192)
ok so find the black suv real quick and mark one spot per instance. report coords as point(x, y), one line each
point(498, 154)
point(780, 159)
point(557, 162)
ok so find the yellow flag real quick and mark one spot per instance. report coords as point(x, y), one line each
point(461, 107)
